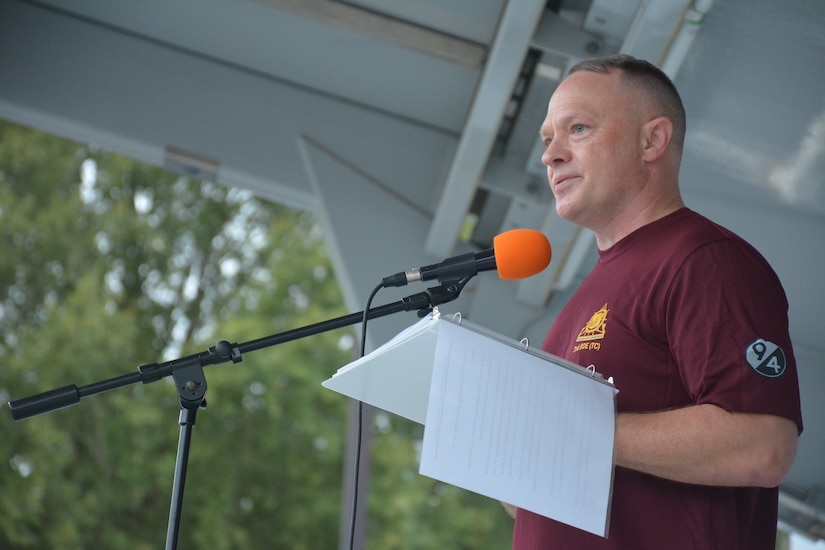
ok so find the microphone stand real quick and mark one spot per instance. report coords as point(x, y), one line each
point(190, 380)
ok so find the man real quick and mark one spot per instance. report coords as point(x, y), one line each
point(688, 319)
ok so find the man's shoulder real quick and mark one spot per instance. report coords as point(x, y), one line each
point(693, 230)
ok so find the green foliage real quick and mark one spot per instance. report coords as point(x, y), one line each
point(107, 264)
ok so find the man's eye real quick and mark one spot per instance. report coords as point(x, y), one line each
point(579, 128)
point(547, 142)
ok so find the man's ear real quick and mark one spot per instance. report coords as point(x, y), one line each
point(657, 134)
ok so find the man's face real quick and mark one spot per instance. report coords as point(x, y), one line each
point(592, 137)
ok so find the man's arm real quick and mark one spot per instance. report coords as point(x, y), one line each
point(707, 445)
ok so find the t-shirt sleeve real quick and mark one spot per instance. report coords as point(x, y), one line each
point(727, 321)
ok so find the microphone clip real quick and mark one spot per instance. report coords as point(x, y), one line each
point(434, 296)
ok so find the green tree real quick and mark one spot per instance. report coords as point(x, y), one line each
point(107, 264)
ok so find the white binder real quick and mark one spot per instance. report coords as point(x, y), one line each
point(514, 424)
point(396, 376)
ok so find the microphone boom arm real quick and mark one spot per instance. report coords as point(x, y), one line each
point(224, 352)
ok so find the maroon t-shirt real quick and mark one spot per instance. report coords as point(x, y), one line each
point(679, 312)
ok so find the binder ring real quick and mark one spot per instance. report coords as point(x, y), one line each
point(591, 368)
point(525, 343)
point(457, 317)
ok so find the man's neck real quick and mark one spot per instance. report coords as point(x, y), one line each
point(624, 225)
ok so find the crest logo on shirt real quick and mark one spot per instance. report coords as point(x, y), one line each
point(766, 358)
point(595, 327)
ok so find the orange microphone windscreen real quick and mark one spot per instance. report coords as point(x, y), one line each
point(521, 253)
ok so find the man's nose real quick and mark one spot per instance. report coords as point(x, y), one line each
point(554, 153)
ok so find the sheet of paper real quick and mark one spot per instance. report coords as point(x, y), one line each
point(513, 426)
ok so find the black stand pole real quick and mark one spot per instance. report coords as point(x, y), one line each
point(191, 384)
point(191, 381)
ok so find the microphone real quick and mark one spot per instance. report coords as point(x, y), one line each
point(516, 254)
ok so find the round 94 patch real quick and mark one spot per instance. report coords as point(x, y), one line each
point(766, 358)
